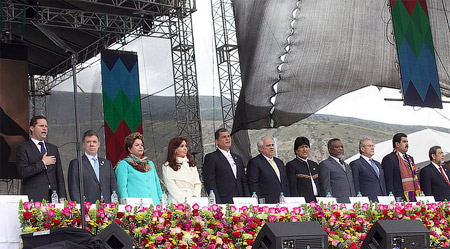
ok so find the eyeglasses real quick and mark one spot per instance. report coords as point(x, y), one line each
point(370, 146)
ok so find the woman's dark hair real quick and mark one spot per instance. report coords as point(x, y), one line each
point(129, 140)
point(174, 143)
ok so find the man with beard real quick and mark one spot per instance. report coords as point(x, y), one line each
point(434, 179)
point(400, 171)
point(335, 175)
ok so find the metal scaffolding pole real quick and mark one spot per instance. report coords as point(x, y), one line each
point(185, 78)
point(228, 64)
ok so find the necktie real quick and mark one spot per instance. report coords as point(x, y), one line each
point(443, 175)
point(272, 163)
point(374, 166)
point(406, 160)
point(96, 168)
point(342, 164)
point(42, 148)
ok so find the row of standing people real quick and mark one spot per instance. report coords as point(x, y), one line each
point(224, 172)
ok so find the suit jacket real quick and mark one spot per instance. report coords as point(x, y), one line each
point(298, 174)
point(219, 177)
point(366, 179)
point(392, 175)
point(36, 177)
point(433, 183)
point(93, 189)
point(263, 180)
point(335, 180)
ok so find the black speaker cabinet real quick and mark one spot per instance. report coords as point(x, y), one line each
point(115, 237)
point(284, 235)
point(66, 237)
point(397, 234)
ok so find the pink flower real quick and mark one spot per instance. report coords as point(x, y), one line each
point(66, 211)
point(196, 206)
point(294, 219)
point(160, 226)
point(313, 204)
point(51, 212)
point(112, 205)
point(214, 207)
point(144, 230)
point(71, 204)
point(335, 242)
point(255, 208)
point(179, 206)
point(159, 207)
point(87, 218)
point(297, 210)
point(365, 207)
point(101, 213)
point(37, 204)
point(272, 218)
point(50, 205)
point(335, 206)
point(265, 209)
point(159, 239)
point(161, 219)
point(27, 205)
point(128, 208)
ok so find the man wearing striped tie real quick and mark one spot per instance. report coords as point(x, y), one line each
point(266, 174)
point(39, 164)
point(368, 176)
point(434, 179)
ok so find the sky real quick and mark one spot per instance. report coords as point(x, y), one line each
point(155, 74)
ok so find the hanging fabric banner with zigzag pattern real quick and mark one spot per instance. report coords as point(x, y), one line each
point(121, 100)
point(420, 82)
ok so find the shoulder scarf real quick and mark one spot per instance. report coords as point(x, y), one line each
point(139, 164)
point(410, 181)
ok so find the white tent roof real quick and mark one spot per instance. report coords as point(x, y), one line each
point(419, 144)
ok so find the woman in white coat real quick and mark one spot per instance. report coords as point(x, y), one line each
point(180, 173)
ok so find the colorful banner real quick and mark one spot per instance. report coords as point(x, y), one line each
point(121, 100)
point(416, 56)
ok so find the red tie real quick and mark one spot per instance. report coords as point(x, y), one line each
point(443, 175)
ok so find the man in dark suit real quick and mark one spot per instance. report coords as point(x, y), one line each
point(223, 171)
point(368, 175)
point(434, 179)
point(99, 179)
point(400, 170)
point(335, 175)
point(303, 174)
point(39, 164)
point(266, 174)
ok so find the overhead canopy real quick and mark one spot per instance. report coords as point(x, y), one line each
point(419, 143)
point(298, 56)
point(78, 23)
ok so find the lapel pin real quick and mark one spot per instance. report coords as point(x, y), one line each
point(101, 163)
point(314, 168)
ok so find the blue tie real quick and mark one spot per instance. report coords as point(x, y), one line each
point(96, 168)
point(42, 148)
point(406, 159)
point(374, 166)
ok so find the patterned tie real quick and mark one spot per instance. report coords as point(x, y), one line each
point(272, 163)
point(443, 175)
point(43, 150)
point(96, 168)
point(374, 166)
point(406, 160)
point(342, 164)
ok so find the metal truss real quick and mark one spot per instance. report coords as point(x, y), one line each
point(228, 63)
point(185, 78)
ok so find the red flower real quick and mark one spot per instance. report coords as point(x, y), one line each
point(235, 219)
point(211, 226)
point(56, 222)
point(120, 214)
point(250, 242)
point(195, 212)
point(385, 212)
point(131, 218)
point(184, 246)
point(119, 222)
point(167, 223)
point(237, 234)
point(197, 227)
point(253, 225)
point(225, 240)
point(179, 236)
point(27, 215)
point(252, 233)
point(169, 215)
point(33, 222)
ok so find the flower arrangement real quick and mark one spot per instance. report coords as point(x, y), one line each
point(182, 226)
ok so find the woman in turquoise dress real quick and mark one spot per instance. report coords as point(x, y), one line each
point(136, 174)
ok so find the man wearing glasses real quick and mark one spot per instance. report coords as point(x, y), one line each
point(368, 176)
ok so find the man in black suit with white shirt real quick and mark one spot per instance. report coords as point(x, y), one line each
point(223, 171)
point(434, 179)
point(39, 164)
point(99, 179)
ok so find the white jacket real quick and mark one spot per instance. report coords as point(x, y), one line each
point(183, 183)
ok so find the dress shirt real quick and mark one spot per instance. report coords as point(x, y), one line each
point(339, 161)
point(316, 193)
point(370, 163)
point(277, 171)
point(90, 159)
point(36, 142)
point(230, 159)
point(439, 169)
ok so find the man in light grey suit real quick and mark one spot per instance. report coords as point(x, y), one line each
point(99, 179)
point(335, 175)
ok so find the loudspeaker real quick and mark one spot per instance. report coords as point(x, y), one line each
point(284, 235)
point(66, 237)
point(397, 234)
point(115, 237)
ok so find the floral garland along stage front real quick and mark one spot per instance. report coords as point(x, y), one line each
point(181, 226)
